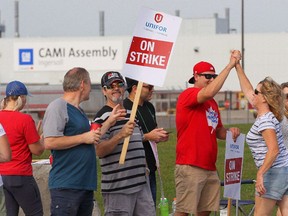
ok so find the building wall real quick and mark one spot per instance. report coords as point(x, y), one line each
point(265, 55)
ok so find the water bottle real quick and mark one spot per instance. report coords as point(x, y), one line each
point(174, 206)
point(164, 207)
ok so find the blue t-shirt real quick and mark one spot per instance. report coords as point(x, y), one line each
point(73, 168)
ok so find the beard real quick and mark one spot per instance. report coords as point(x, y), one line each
point(118, 100)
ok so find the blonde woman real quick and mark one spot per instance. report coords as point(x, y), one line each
point(265, 141)
point(20, 187)
point(284, 124)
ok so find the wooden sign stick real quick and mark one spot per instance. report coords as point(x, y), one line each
point(132, 117)
point(229, 207)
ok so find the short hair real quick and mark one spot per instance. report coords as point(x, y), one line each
point(284, 85)
point(272, 92)
point(73, 79)
point(130, 83)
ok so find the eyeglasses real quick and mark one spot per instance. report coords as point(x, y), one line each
point(149, 87)
point(257, 92)
point(209, 76)
point(114, 85)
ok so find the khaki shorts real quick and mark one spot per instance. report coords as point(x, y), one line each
point(197, 189)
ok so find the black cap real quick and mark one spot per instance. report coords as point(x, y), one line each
point(109, 77)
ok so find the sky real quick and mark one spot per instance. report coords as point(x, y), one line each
point(80, 18)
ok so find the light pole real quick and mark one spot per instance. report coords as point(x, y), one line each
point(242, 47)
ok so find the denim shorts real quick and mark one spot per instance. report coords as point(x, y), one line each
point(276, 183)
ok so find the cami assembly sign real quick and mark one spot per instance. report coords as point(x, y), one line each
point(60, 55)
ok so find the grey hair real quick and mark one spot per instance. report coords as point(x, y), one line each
point(73, 79)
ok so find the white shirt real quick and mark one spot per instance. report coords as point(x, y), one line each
point(2, 132)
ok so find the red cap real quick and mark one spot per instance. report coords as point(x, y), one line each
point(201, 67)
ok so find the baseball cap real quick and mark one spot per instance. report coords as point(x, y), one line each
point(109, 77)
point(16, 88)
point(201, 67)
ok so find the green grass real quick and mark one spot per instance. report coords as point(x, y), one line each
point(166, 153)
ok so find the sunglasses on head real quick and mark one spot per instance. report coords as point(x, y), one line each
point(149, 87)
point(209, 76)
point(114, 85)
point(257, 92)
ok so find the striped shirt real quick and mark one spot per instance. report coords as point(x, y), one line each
point(129, 177)
point(284, 125)
point(257, 143)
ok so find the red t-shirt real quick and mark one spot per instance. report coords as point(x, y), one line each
point(196, 126)
point(21, 131)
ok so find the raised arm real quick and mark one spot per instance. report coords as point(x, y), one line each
point(245, 84)
point(214, 87)
point(116, 115)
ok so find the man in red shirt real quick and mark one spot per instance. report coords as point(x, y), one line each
point(198, 126)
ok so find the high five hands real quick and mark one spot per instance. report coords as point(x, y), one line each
point(236, 54)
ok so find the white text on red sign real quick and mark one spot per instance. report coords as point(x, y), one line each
point(150, 53)
point(233, 170)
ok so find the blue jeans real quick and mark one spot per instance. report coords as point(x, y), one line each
point(70, 202)
point(152, 180)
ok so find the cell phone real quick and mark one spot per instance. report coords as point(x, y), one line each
point(168, 132)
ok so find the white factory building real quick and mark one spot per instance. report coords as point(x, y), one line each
point(44, 61)
point(265, 55)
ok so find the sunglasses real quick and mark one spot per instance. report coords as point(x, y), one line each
point(114, 85)
point(149, 87)
point(257, 92)
point(209, 76)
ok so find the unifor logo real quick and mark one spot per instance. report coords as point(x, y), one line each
point(158, 17)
